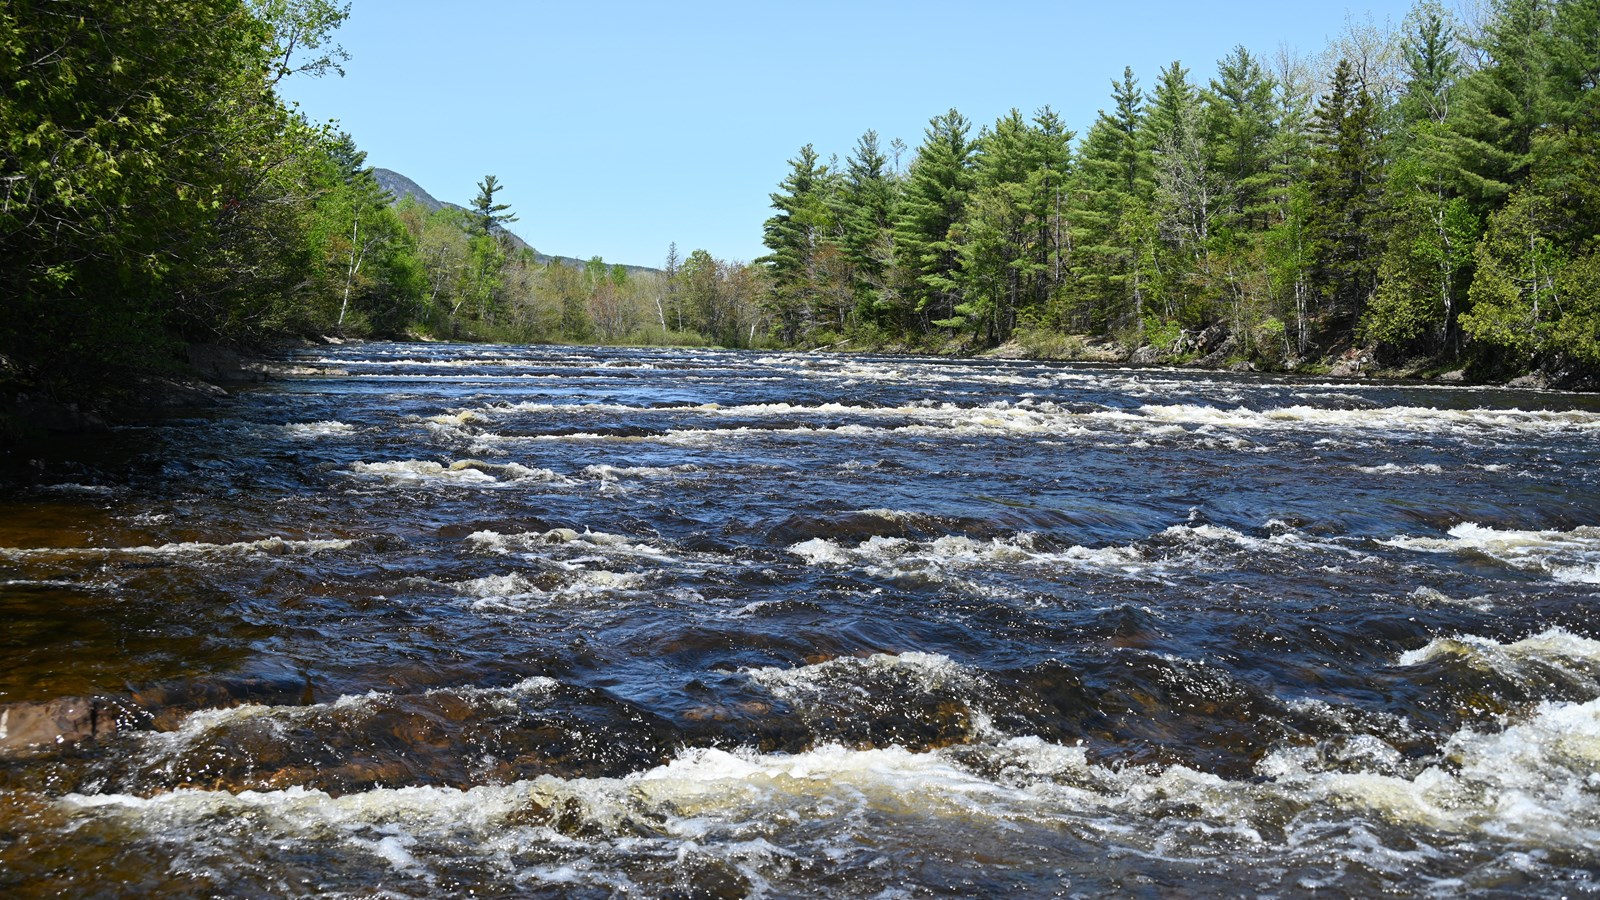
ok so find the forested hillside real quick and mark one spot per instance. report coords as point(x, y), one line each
point(156, 191)
point(1431, 195)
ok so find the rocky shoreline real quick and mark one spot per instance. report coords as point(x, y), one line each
point(214, 370)
point(1354, 363)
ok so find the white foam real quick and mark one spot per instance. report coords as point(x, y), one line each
point(931, 671)
point(1397, 469)
point(517, 593)
point(1393, 418)
point(271, 546)
point(1432, 597)
point(311, 430)
point(1572, 556)
point(614, 473)
point(1576, 655)
point(930, 558)
point(502, 586)
point(73, 488)
point(408, 815)
point(1032, 416)
point(1530, 782)
point(532, 542)
point(458, 418)
point(203, 723)
point(466, 471)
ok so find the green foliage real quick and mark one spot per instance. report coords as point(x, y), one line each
point(1454, 209)
point(1515, 300)
point(1161, 335)
point(487, 216)
point(809, 270)
point(1426, 265)
point(1532, 298)
point(157, 191)
point(932, 207)
point(133, 146)
point(1345, 181)
point(154, 190)
point(1242, 120)
point(1012, 244)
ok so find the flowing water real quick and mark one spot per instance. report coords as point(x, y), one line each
point(439, 620)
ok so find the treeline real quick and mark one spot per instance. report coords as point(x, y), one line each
point(1431, 194)
point(479, 284)
point(156, 191)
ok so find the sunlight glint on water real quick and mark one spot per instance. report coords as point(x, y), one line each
point(566, 622)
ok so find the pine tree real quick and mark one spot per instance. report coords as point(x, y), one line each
point(865, 217)
point(1286, 243)
point(1171, 100)
point(994, 233)
point(1433, 65)
point(1241, 120)
point(1535, 297)
point(798, 236)
point(1428, 247)
point(487, 216)
point(1499, 108)
point(933, 204)
point(1117, 255)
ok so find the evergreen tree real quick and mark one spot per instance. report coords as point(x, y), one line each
point(1188, 201)
point(993, 233)
point(1172, 100)
point(798, 236)
point(1242, 118)
point(1049, 193)
point(1117, 258)
point(1428, 250)
point(1417, 205)
point(1432, 63)
point(1535, 297)
point(669, 304)
point(865, 217)
point(487, 216)
point(933, 204)
point(1344, 183)
point(1286, 242)
point(1498, 108)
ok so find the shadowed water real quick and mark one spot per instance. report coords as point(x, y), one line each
point(566, 622)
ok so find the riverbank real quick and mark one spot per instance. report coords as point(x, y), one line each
point(1201, 352)
point(210, 372)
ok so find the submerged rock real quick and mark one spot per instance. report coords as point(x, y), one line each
point(30, 728)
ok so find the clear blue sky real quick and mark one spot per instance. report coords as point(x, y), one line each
point(617, 127)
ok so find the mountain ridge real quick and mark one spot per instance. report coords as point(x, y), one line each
point(400, 187)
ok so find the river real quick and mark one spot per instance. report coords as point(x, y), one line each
point(535, 621)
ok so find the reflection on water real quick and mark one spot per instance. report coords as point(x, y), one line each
point(562, 622)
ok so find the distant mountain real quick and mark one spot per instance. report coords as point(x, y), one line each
point(401, 187)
